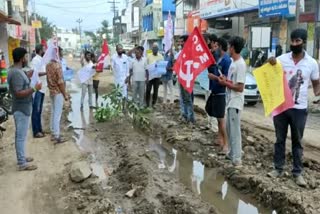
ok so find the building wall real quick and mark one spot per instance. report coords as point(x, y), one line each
point(68, 40)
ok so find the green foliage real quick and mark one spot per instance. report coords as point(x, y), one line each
point(97, 37)
point(47, 30)
point(113, 109)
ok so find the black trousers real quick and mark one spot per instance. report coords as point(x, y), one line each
point(95, 88)
point(296, 119)
point(154, 83)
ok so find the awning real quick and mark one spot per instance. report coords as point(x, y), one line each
point(233, 12)
point(9, 20)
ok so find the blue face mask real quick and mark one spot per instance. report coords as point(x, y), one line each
point(218, 52)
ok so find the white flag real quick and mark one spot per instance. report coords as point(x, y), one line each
point(168, 36)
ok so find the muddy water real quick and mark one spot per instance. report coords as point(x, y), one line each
point(206, 182)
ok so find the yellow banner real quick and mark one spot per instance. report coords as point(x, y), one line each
point(36, 24)
point(270, 83)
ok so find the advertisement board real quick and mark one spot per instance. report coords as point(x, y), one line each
point(269, 8)
point(216, 8)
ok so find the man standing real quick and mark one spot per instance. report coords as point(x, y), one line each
point(57, 95)
point(299, 68)
point(19, 87)
point(167, 78)
point(139, 76)
point(235, 98)
point(218, 92)
point(155, 82)
point(87, 85)
point(120, 67)
point(186, 99)
point(38, 75)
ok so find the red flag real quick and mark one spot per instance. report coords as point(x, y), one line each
point(194, 58)
point(104, 53)
point(44, 43)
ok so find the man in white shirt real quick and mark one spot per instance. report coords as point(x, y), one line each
point(155, 82)
point(139, 76)
point(88, 84)
point(235, 98)
point(120, 67)
point(38, 97)
point(299, 68)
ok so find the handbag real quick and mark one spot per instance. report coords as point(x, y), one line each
point(209, 105)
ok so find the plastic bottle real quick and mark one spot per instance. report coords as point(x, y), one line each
point(4, 75)
point(119, 210)
point(2, 61)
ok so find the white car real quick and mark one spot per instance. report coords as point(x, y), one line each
point(251, 92)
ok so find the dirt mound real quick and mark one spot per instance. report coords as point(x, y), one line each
point(281, 194)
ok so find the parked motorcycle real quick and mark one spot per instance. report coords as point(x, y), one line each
point(5, 107)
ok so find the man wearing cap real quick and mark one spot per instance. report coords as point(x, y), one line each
point(299, 68)
point(19, 88)
point(39, 73)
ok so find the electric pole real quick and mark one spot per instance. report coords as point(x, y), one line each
point(35, 19)
point(114, 9)
point(79, 22)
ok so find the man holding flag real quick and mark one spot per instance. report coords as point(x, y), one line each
point(193, 59)
point(99, 68)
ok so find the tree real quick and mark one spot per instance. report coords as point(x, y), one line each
point(47, 30)
point(97, 37)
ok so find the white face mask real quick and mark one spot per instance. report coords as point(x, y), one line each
point(180, 47)
point(133, 55)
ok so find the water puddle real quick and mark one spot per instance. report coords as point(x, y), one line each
point(206, 182)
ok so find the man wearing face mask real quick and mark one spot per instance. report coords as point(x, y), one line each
point(38, 75)
point(19, 88)
point(154, 83)
point(120, 67)
point(299, 68)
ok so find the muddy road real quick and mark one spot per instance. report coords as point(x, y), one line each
point(171, 168)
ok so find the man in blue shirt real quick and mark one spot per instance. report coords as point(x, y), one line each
point(218, 92)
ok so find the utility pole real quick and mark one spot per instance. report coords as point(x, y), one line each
point(114, 10)
point(79, 22)
point(35, 19)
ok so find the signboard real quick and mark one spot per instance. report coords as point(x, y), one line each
point(277, 8)
point(32, 36)
point(36, 24)
point(210, 8)
point(3, 6)
point(136, 15)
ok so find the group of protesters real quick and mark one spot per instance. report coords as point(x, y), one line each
point(225, 103)
point(28, 88)
point(226, 84)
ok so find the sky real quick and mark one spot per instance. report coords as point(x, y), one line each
point(64, 13)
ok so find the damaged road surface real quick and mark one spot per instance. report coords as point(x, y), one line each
point(145, 172)
point(170, 168)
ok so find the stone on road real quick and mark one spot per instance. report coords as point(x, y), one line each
point(80, 171)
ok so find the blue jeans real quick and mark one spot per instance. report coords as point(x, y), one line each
point(296, 118)
point(56, 112)
point(36, 112)
point(186, 105)
point(22, 122)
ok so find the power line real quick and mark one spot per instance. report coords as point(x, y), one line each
point(72, 2)
point(73, 12)
point(61, 7)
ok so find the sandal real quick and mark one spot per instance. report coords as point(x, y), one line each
point(39, 135)
point(27, 167)
point(29, 159)
point(59, 140)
